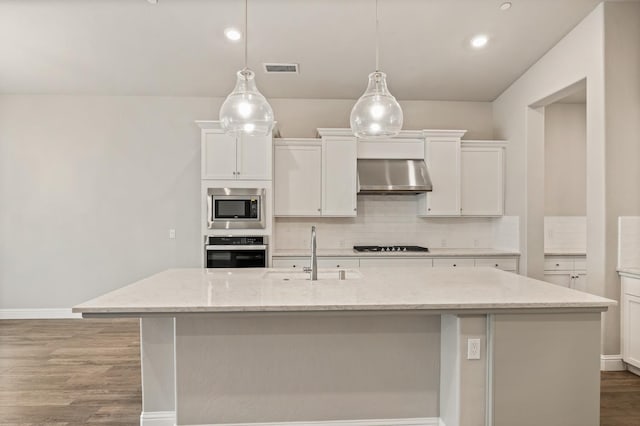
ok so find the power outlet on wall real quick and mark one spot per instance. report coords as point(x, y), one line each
point(473, 348)
point(172, 234)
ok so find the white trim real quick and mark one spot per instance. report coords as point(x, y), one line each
point(633, 369)
point(611, 363)
point(158, 418)
point(425, 421)
point(50, 313)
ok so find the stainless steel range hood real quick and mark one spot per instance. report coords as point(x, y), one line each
point(393, 177)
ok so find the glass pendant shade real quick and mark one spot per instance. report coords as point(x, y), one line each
point(246, 110)
point(377, 113)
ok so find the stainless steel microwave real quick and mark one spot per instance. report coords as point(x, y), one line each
point(236, 208)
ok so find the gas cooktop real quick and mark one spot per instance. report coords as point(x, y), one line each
point(390, 249)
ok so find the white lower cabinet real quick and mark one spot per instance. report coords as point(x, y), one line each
point(454, 263)
point(630, 316)
point(566, 271)
point(509, 264)
point(398, 261)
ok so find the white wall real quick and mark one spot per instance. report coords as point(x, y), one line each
point(603, 49)
point(565, 160)
point(90, 186)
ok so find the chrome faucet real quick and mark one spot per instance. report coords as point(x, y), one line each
point(313, 269)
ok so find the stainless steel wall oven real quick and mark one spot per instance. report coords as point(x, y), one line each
point(236, 252)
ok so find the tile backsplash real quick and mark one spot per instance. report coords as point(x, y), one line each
point(385, 219)
point(629, 242)
point(565, 233)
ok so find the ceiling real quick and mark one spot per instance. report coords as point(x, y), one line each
point(177, 47)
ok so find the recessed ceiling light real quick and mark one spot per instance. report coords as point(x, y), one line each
point(232, 34)
point(153, 1)
point(479, 41)
point(506, 5)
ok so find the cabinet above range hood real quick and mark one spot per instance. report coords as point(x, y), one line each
point(392, 176)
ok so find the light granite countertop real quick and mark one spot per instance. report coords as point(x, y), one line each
point(433, 252)
point(378, 289)
point(558, 252)
point(630, 271)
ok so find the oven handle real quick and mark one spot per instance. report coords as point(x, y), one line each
point(220, 248)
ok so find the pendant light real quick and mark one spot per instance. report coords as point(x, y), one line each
point(246, 110)
point(377, 113)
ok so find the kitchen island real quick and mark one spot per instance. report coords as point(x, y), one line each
point(385, 346)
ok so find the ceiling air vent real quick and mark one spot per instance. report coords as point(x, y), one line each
point(281, 68)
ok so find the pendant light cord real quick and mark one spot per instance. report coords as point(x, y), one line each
point(377, 41)
point(246, 33)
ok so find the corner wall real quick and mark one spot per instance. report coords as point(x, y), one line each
point(603, 49)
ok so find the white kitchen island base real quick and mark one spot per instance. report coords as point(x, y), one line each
point(304, 354)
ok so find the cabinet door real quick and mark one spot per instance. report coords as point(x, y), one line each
point(482, 181)
point(398, 261)
point(254, 157)
point(443, 161)
point(218, 156)
point(339, 177)
point(631, 329)
point(563, 279)
point(297, 180)
point(453, 263)
point(580, 281)
point(338, 262)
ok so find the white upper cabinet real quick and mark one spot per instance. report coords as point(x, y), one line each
point(298, 178)
point(218, 156)
point(253, 160)
point(339, 177)
point(482, 181)
point(442, 155)
point(467, 177)
point(226, 157)
point(315, 177)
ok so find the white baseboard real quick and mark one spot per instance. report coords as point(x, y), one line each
point(634, 370)
point(611, 363)
point(158, 418)
point(53, 313)
point(426, 421)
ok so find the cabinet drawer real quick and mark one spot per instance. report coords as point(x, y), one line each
point(373, 262)
point(558, 264)
point(288, 263)
point(453, 263)
point(506, 264)
point(340, 263)
point(580, 264)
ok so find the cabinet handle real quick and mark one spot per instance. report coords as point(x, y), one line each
point(496, 265)
point(294, 266)
point(557, 264)
point(319, 210)
point(237, 173)
point(337, 266)
point(355, 210)
point(455, 265)
point(429, 209)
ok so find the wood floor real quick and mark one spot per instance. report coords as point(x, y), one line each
point(87, 372)
point(70, 372)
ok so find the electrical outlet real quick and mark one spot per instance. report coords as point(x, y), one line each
point(172, 234)
point(443, 243)
point(473, 348)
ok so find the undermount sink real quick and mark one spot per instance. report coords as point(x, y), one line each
point(323, 274)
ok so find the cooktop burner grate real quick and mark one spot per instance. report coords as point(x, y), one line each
point(390, 249)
